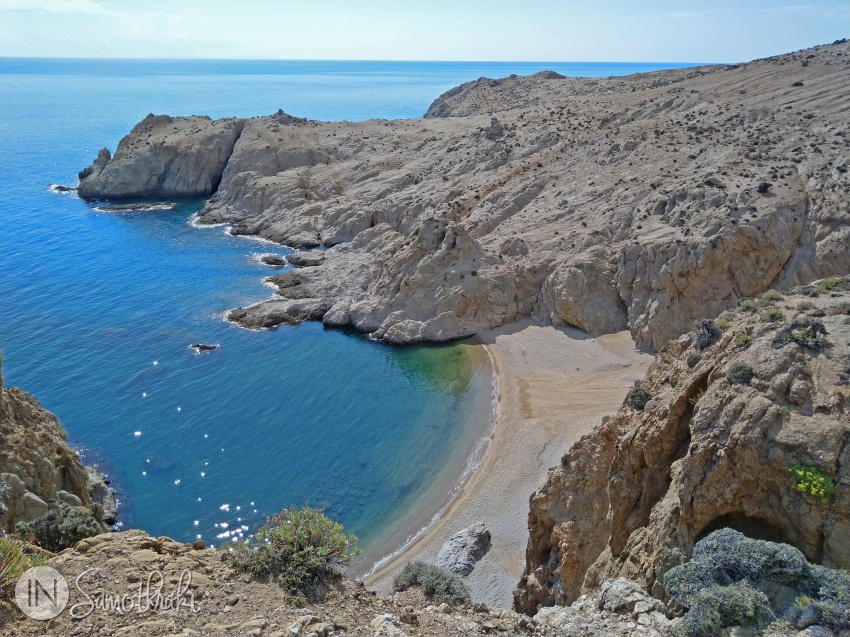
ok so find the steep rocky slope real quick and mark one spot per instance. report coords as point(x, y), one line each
point(732, 408)
point(40, 467)
point(644, 202)
point(213, 599)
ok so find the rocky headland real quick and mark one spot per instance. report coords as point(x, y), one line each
point(642, 203)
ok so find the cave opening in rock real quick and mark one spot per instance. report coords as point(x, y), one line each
point(751, 526)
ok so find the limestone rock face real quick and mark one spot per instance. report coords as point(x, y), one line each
point(163, 156)
point(632, 498)
point(644, 202)
point(37, 463)
point(462, 550)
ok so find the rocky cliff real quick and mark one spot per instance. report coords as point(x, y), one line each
point(643, 202)
point(40, 467)
point(742, 423)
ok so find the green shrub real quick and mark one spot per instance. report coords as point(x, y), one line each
point(722, 323)
point(725, 581)
point(828, 284)
point(693, 359)
point(299, 547)
point(770, 296)
point(435, 583)
point(57, 530)
point(739, 374)
point(803, 331)
point(772, 315)
point(707, 333)
point(718, 607)
point(14, 562)
point(637, 398)
point(812, 481)
point(744, 340)
point(805, 305)
point(747, 304)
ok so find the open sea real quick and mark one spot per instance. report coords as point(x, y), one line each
point(97, 312)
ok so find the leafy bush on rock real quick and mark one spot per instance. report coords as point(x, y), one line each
point(435, 583)
point(693, 359)
point(730, 579)
point(57, 530)
point(637, 398)
point(739, 374)
point(14, 562)
point(772, 315)
point(804, 331)
point(300, 547)
point(707, 333)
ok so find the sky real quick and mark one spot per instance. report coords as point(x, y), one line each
point(474, 30)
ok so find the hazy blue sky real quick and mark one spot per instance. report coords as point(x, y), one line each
point(514, 30)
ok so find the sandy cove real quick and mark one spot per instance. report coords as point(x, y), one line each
point(555, 384)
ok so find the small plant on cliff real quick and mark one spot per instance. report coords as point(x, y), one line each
point(747, 305)
point(435, 583)
point(693, 359)
point(770, 296)
point(744, 340)
point(828, 284)
point(739, 374)
point(57, 530)
point(637, 398)
point(772, 315)
point(300, 547)
point(14, 562)
point(812, 481)
point(804, 331)
point(707, 333)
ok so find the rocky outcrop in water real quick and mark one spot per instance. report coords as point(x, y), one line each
point(39, 466)
point(163, 157)
point(644, 202)
point(743, 423)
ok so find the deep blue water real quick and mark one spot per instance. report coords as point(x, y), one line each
point(97, 311)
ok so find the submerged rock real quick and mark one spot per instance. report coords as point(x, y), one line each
point(462, 550)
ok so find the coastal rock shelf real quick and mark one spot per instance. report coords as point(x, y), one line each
point(641, 202)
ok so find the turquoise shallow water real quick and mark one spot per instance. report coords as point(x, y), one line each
point(97, 311)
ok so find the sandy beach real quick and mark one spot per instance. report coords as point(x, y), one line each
point(555, 384)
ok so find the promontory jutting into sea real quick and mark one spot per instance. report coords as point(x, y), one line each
point(264, 298)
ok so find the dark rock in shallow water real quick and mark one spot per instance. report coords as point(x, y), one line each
point(60, 188)
point(138, 207)
point(273, 260)
point(200, 347)
point(462, 550)
point(306, 259)
point(103, 496)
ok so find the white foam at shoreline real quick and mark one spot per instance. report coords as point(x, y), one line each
point(472, 464)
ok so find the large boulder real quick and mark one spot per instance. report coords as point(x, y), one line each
point(462, 550)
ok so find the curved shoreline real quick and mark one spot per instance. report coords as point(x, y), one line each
point(473, 462)
point(555, 384)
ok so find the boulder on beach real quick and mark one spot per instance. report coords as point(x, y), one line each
point(462, 550)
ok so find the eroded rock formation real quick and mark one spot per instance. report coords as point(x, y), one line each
point(644, 202)
point(709, 450)
point(40, 467)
